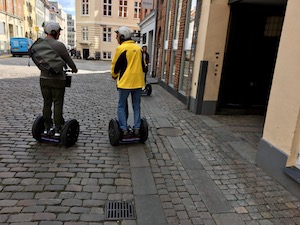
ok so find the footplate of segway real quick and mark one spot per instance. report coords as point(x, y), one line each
point(49, 138)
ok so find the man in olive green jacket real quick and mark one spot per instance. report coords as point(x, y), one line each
point(53, 85)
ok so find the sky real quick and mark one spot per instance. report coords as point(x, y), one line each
point(68, 6)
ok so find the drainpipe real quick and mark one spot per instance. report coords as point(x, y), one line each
point(193, 51)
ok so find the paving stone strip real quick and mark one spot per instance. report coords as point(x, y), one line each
point(148, 205)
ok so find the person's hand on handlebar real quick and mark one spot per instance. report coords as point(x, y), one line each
point(75, 71)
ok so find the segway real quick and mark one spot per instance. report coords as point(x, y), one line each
point(68, 136)
point(115, 133)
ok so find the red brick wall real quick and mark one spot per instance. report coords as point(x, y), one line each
point(161, 23)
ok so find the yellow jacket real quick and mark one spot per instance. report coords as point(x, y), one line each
point(128, 66)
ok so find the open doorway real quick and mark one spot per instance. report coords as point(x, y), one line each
point(250, 56)
point(86, 53)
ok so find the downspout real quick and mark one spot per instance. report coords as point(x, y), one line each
point(193, 51)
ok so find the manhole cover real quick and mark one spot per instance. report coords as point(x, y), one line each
point(170, 131)
point(118, 210)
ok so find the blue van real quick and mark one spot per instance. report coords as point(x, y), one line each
point(19, 46)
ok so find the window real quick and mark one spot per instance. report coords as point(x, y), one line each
point(137, 9)
point(85, 7)
point(9, 6)
point(107, 7)
point(137, 36)
point(122, 8)
point(107, 34)
point(106, 55)
point(1, 4)
point(85, 33)
point(178, 15)
point(144, 38)
point(188, 57)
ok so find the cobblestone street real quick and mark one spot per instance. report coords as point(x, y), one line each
point(192, 177)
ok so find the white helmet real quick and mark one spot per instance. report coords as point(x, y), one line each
point(51, 26)
point(125, 32)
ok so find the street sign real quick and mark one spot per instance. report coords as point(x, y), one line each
point(147, 4)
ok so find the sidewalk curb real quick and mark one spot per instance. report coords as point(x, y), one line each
point(4, 56)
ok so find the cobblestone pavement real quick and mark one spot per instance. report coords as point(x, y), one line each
point(248, 128)
point(193, 176)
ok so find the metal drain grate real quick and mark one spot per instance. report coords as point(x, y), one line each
point(118, 210)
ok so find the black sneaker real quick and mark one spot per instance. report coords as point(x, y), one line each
point(57, 131)
point(125, 133)
point(46, 131)
point(136, 132)
point(51, 132)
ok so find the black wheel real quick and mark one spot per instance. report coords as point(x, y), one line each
point(148, 89)
point(144, 130)
point(70, 132)
point(114, 132)
point(38, 128)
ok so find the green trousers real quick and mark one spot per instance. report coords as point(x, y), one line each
point(53, 93)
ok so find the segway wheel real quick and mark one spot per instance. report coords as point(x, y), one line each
point(70, 132)
point(144, 130)
point(114, 132)
point(148, 89)
point(38, 128)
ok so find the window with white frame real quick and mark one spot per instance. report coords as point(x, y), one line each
point(9, 6)
point(85, 7)
point(122, 8)
point(106, 34)
point(20, 9)
point(85, 33)
point(137, 9)
point(106, 55)
point(107, 7)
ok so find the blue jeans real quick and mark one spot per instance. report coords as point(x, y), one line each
point(136, 105)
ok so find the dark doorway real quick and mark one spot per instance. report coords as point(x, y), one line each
point(86, 53)
point(250, 56)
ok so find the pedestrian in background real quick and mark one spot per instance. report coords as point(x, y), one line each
point(146, 60)
point(128, 69)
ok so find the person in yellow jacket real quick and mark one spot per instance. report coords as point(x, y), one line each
point(128, 69)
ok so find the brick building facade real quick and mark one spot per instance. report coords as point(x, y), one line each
point(237, 57)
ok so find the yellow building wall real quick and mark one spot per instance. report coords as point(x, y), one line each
point(96, 21)
point(29, 11)
point(211, 46)
point(281, 129)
